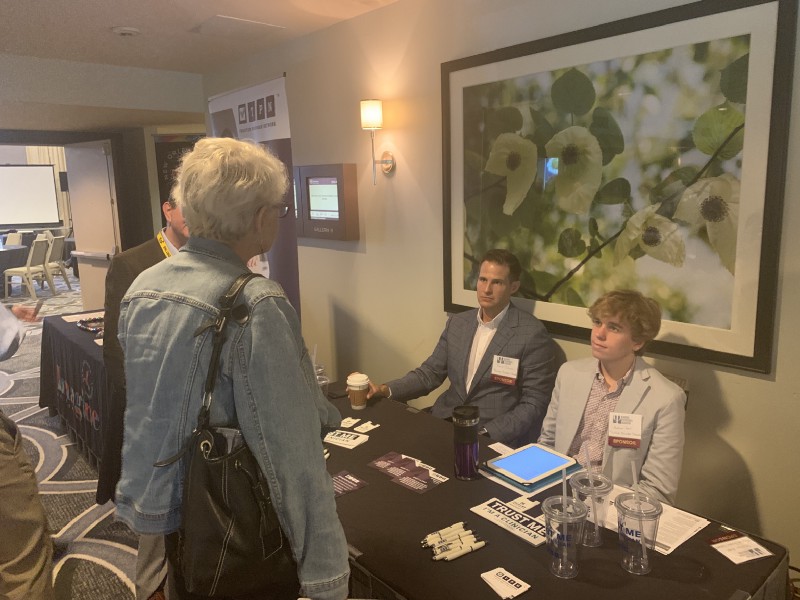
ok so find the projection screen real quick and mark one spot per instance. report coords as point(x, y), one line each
point(28, 196)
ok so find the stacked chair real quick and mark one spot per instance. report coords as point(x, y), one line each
point(14, 239)
point(34, 268)
point(54, 264)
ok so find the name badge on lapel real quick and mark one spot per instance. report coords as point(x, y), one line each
point(624, 430)
point(504, 369)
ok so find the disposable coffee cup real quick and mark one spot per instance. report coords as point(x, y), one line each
point(638, 517)
point(564, 518)
point(357, 388)
point(592, 489)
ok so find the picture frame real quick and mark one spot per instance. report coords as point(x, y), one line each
point(647, 153)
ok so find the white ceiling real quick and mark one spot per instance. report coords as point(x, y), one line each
point(192, 36)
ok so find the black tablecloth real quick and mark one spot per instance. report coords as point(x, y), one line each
point(73, 381)
point(385, 522)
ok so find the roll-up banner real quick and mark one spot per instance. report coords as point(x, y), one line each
point(261, 114)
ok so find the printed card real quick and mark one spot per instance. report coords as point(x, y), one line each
point(739, 548)
point(520, 524)
point(345, 482)
point(346, 439)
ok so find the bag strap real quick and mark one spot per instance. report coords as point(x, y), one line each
point(226, 303)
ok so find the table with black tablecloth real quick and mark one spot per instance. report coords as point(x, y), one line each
point(384, 523)
point(73, 382)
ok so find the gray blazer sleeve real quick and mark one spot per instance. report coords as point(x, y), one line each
point(661, 464)
point(427, 377)
point(547, 437)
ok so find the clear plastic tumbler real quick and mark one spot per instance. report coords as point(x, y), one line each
point(637, 518)
point(564, 518)
point(592, 489)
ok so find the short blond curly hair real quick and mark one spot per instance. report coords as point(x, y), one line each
point(640, 313)
point(221, 184)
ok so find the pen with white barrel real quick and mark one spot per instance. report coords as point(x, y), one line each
point(453, 536)
point(437, 536)
point(453, 554)
point(454, 526)
point(457, 543)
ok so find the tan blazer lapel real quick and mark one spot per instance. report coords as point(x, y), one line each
point(578, 389)
point(635, 391)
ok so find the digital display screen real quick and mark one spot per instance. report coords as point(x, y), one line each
point(323, 198)
point(531, 463)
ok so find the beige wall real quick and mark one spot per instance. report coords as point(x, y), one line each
point(376, 305)
point(43, 94)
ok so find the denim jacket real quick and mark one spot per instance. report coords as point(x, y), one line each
point(266, 385)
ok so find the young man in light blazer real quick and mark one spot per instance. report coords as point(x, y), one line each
point(617, 406)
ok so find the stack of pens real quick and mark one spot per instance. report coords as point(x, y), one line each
point(451, 542)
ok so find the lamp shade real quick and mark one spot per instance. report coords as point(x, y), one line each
point(371, 114)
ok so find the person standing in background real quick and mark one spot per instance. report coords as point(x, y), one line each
point(26, 551)
point(151, 562)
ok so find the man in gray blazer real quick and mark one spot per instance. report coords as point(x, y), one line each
point(616, 407)
point(497, 358)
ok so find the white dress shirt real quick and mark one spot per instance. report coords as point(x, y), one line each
point(483, 336)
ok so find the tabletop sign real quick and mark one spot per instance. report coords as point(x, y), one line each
point(520, 524)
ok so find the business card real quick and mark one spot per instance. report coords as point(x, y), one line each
point(739, 548)
point(367, 426)
point(345, 439)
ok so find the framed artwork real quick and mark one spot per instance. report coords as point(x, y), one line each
point(648, 154)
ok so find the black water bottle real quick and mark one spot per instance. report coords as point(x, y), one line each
point(465, 441)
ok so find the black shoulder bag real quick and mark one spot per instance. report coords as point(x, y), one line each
point(230, 541)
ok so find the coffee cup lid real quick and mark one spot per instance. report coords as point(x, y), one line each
point(357, 379)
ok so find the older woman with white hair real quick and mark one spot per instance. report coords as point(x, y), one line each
point(232, 195)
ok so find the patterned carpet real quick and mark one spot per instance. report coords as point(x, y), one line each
point(94, 557)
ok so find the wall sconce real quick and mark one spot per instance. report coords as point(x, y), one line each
point(372, 119)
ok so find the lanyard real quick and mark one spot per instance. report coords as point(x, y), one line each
point(163, 244)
